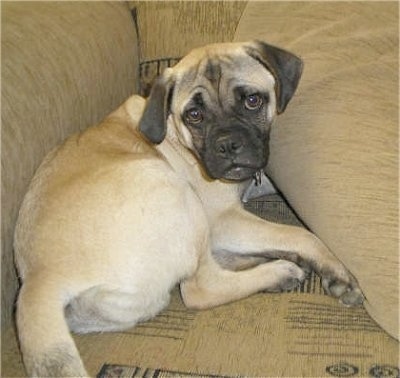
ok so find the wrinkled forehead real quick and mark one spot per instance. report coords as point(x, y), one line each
point(217, 71)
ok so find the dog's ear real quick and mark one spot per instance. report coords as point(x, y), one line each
point(153, 124)
point(283, 65)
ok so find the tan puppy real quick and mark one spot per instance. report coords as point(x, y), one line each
point(118, 215)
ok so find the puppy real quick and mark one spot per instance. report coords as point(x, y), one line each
point(121, 213)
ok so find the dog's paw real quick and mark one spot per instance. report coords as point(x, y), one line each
point(347, 290)
point(290, 276)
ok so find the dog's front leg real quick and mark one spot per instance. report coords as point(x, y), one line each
point(243, 233)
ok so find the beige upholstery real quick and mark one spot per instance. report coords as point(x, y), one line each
point(80, 57)
point(335, 151)
point(65, 65)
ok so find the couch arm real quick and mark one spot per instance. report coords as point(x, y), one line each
point(334, 152)
point(65, 66)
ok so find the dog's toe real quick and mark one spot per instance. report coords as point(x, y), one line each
point(333, 287)
point(349, 293)
point(289, 284)
point(292, 276)
point(352, 297)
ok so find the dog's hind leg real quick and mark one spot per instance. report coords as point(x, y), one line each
point(105, 309)
point(46, 343)
point(212, 285)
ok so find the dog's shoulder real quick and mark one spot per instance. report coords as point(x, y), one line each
point(115, 143)
point(118, 132)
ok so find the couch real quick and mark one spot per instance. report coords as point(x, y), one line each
point(334, 159)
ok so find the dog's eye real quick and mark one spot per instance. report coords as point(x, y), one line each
point(193, 116)
point(253, 102)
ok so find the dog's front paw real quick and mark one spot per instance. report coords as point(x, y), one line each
point(345, 288)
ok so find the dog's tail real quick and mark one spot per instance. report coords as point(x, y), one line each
point(47, 346)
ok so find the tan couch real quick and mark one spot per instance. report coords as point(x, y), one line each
point(66, 65)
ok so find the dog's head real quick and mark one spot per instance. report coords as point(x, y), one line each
point(222, 99)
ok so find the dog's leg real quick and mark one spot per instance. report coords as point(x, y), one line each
point(46, 343)
point(212, 285)
point(104, 309)
point(230, 261)
point(243, 233)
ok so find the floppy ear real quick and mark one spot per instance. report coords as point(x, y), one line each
point(153, 124)
point(283, 65)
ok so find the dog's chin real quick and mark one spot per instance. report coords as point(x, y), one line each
point(235, 173)
point(239, 173)
point(242, 170)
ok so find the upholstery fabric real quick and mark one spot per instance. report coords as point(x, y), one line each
point(172, 28)
point(65, 65)
point(334, 153)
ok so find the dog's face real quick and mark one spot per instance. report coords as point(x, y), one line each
point(222, 99)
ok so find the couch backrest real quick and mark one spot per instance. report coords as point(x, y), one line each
point(65, 65)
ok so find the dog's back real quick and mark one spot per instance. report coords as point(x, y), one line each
point(82, 222)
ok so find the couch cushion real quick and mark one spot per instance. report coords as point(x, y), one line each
point(334, 153)
point(64, 66)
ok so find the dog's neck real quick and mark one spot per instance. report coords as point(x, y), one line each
point(180, 158)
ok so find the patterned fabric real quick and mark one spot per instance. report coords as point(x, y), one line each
point(119, 371)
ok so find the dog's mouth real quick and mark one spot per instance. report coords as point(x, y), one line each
point(240, 173)
point(235, 171)
point(238, 168)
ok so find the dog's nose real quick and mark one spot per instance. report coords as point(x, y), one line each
point(228, 146)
